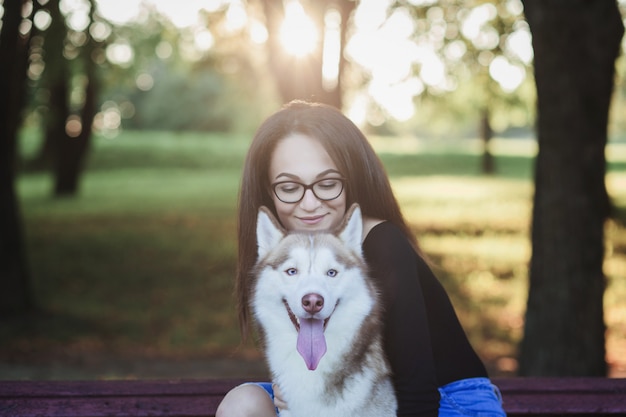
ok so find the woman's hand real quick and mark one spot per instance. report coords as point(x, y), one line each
point(278, 399)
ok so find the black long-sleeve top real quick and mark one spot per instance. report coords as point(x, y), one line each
point(423, 339)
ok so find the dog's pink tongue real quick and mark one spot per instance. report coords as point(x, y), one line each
point(311, 342)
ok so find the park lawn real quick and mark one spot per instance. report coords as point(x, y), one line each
point(142, 262)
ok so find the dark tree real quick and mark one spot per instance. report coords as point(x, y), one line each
point(301, 77)
point(70, 150)
point(57, 81)
point(15, 294)
point(486, 134)
point(576, 43)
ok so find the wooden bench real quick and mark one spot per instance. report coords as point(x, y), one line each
point(522, 397)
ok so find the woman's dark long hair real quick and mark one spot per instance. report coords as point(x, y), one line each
point(367, 180)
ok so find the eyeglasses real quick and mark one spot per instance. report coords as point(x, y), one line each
point(292, 192)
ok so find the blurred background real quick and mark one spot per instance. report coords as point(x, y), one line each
point(135, 120)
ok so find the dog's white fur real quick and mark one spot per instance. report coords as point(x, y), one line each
point(353, 377)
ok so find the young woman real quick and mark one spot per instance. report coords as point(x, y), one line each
point(308, 163)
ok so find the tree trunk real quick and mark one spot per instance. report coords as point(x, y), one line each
point(575, 43)
point(15, 291)
point(71, 152)
point(67, 150)
point(486, 133)
point(301, 77)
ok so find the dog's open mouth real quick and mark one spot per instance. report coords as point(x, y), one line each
point(311, 343)
point(295, 320)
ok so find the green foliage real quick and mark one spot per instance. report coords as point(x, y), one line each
point(183, 101)
point(469, 39)
point(169, 83)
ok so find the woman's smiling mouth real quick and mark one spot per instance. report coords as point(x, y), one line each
point(311, 220)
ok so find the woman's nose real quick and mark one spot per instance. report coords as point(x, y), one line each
point(310, 201)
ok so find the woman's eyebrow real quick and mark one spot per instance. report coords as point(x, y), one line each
point(285, 174)
point(328, 171)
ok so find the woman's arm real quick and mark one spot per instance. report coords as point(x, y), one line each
point(393, 265)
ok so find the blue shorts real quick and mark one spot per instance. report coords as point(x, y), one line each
point(473, 397)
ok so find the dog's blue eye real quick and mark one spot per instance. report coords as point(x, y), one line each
point(331, 273)
point(291, 271)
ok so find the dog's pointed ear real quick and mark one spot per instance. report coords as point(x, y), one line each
point(351, 229)
point(268, 231)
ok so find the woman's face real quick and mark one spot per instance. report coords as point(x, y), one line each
point(302, 159)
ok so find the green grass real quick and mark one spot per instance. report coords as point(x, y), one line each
point(145, 256)
point(142, 261)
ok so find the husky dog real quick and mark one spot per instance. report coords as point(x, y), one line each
point(319, 320)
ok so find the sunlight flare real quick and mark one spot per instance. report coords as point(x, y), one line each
point(298, 33)
point(332, 49)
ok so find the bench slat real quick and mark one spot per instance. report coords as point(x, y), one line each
point(116, 387)
point(193, 398)
point(199, 398)
point(532, 396)
point(110, 406)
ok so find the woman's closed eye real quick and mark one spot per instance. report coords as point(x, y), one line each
point(290, 187)
point(329, 184)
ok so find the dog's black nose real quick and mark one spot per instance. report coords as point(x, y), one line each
point(312, 303)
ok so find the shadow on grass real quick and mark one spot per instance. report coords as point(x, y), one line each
point(33, 335)
point(496, 344)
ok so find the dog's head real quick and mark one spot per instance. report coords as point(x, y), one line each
point(307, 283)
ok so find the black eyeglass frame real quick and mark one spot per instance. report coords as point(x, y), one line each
point(310, 186)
